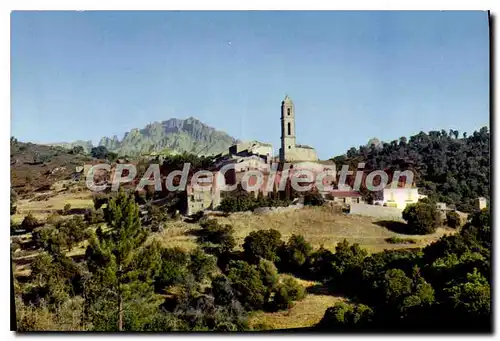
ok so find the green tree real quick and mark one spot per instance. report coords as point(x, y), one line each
point(452, 219)
point(120, 293)
point(422, 218)
point(262, 244)
point(73, 231)
point(247, 285)
point(294, 254)
point(346, 316)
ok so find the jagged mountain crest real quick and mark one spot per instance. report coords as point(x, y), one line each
point(188, 135)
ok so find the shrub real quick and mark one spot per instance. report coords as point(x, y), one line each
point(345, 316)
point(422, 218)
point(287, 291)
point(30, 222)
point(313, 199)
point(13, 200)
point(221, 235)
point(73, 231)
point(173, 269)
point(100, 200)
point(397, 240)
point(201, 265)
point(262, 243)
point(222, 290)
point(66, 208)
point(320, 264)
point(294, 254)
point(247, 285)
point(453, 219)
point(53, 219)
point(269, 276)
point(93, 216)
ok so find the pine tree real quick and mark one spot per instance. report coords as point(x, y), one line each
point(120, 293)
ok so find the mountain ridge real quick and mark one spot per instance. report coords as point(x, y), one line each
point(178, 135)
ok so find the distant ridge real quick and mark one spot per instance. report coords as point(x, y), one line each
point(177, 135)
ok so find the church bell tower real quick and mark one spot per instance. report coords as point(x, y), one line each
point(287, 128)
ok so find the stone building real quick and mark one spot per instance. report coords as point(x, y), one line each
point(290, 150)
point(481, 203)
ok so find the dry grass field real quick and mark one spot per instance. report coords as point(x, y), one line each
point(324, 226)
point(305, 313)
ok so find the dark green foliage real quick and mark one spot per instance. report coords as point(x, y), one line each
point(155, 218)
point(448, 169)
point(13, 200)
point(242, 201)
point(452, 219)
point(99, 152)
point(347, 260)
point(99, 200)
point(294, 254)
point(269, 276)
point(221, 236)
point(471, 298)
point(262, 244)
point(93, 216)
point(77, 150)
point(120, 296)
point(247, 285)
point(222, 290)
point(313, 199)
point(321, 264)
point(201, 265)
point(397, 240)
point(422, 218)
point(73, 231)
point(29, 222)
point(287, 291)
point(173, 268)
point(344, 316)
point(66, 208)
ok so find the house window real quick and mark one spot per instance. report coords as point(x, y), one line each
point(289, 128)
point(288, 111)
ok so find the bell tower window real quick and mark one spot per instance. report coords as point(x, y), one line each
point(288, 111)
point(289, 128)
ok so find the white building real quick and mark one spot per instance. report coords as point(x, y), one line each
point(400, 197)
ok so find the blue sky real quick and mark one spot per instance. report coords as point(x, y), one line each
point(351, 75)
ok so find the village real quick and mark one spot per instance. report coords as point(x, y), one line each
point(253, 166)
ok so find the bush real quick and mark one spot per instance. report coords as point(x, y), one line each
point(422, 218)
point(294, 254)
point(262, 244)
point(397, 240)
point(269, 276)
point(30, 222)
point(13, 200)
point(346, 316)
point(453, 219)
point(288, 290)
point(247, 285)
point(73, 231)
point(320, 264)
point(201, 265)
point(66, 208)
point(173, 268)
point(93, 216)
point(221, 235)
point(313, 199)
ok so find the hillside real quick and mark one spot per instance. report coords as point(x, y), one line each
point(449, 167)
point(35, 167)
